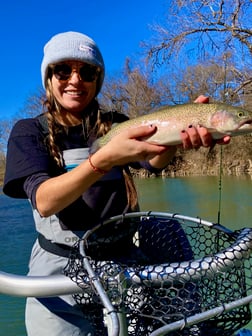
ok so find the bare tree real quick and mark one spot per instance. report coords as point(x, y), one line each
point(31, 108)
point(5, 128)
point(132, 93)
point(214, 78)
point(198, 30)
point(33, 105)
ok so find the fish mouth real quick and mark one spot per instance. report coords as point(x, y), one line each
point(245, 124)
point(244, 127)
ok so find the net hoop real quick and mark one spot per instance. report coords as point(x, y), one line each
point(185, 271)
point(208, 291)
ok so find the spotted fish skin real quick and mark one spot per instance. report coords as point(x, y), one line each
point(220, 120)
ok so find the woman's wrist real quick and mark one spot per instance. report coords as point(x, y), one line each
point(95, 168)
point(99, 163)
point(161, 161)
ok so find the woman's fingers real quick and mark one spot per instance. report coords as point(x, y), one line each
point(194, 137)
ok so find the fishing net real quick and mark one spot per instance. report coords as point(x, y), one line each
point(159, 268)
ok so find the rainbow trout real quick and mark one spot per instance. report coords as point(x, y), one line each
point(219, 119)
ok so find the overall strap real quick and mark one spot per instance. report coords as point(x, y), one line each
point(55, 248)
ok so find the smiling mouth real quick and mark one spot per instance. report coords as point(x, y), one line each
point(75, 93)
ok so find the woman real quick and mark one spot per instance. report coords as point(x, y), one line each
point(48, 162)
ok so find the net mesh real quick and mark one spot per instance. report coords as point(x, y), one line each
point(159, 270)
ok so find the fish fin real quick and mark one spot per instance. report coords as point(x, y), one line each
point(211, 148)
point(95, 146)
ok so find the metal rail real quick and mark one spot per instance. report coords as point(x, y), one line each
point(37, 286)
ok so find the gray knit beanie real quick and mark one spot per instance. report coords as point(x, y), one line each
point(72, 46)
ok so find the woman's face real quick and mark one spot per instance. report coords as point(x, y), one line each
point(74, 85)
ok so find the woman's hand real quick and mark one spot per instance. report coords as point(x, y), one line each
point(128, 147)
point(196, 137)
point(191, 137)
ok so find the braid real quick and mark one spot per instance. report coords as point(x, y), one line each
point(53, 147)
point(102, 126)
point(50, 106)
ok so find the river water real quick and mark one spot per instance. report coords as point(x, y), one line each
point(228, 200)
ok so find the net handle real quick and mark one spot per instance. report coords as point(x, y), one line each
point(37, 286)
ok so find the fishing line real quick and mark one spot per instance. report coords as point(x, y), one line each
point(225, 93)
point(220, 185)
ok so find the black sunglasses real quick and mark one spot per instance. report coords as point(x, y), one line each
point(86, 72)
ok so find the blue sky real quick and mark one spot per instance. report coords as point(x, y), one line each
point(117, 26)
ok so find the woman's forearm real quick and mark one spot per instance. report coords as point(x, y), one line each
point(162, 160)
point(58, 192)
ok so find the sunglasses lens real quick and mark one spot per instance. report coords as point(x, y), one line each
point(62, 71)
point(88, 73)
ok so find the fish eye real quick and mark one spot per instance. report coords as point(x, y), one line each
point(240, 114)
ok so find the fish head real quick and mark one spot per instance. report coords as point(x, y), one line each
point(231, 120)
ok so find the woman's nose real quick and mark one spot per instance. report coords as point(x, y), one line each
point(75, 76)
